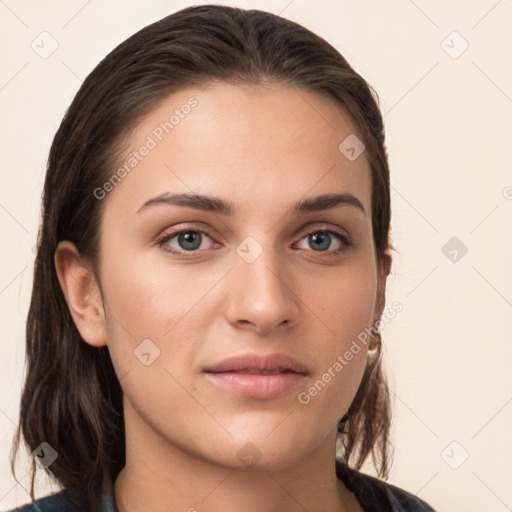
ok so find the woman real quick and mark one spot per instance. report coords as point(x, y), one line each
point(210, 278)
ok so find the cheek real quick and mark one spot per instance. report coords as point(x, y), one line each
point(150, 327)
point(148, 300)
point(344, 304)
point(157, 314)
point(344, 310)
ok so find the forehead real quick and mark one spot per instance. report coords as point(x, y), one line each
point(247, 142)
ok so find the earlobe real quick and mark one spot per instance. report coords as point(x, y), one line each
point(384, 270)
point(81, 290)
point(387, 261)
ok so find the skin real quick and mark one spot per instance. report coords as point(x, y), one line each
point(263, 148)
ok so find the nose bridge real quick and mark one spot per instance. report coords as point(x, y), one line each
point(260, 293)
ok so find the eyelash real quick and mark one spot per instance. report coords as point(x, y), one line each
point(164, 239)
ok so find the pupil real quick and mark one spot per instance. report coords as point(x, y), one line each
point(317, 237)
point(190, 240)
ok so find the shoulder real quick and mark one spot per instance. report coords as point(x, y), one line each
point(376, 495)
point(54, 503)
point(399, 499)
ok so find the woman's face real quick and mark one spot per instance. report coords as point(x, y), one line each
point(260, 277)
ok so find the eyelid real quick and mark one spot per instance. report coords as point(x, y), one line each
point(322, 226)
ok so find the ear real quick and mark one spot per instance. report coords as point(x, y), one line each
point(82, 294)
point(382, 275)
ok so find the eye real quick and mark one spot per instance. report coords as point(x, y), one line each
point(321, 240)
point(187, 240)
point(192, 240)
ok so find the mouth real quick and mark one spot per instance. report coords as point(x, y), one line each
point(254, 371)
point(259, 377)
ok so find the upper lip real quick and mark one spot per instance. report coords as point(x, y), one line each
point(257, 362)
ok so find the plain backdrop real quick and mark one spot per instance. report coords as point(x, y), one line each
point(443, 72)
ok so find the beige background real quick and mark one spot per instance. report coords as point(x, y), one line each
point(448, 116)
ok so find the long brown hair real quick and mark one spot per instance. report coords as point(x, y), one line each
point(71, 397)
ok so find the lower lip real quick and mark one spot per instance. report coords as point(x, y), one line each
point(253, 385)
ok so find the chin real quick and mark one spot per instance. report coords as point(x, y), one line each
point(260, 453)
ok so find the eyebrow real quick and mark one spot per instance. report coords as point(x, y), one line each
point(217, 205)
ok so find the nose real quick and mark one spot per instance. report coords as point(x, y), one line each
point(262, 296)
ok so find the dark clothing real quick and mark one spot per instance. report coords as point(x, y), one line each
point(374, 495)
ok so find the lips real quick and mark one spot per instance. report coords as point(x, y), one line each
point(254, 363)
point(255, 376)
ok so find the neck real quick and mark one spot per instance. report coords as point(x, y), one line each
point(160, 476)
